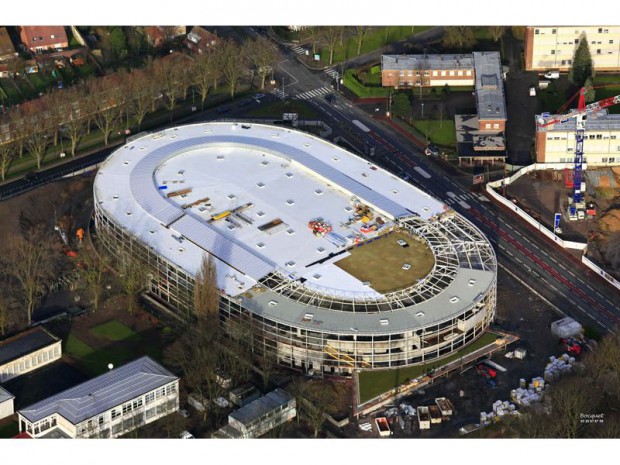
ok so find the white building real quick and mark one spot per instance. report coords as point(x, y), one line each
point(553, 47)
point(27, 351)
point(6, 403)
point(601, 147)
point(259, 416)
point(109, 405)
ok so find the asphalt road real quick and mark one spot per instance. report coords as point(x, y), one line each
point(547, 269)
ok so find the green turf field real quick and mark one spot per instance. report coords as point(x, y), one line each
point(380, 262)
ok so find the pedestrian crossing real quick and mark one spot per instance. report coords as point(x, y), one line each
point(333, 73)
point(278, 93)
point(298, 50)
point(314, 93)
point(459, 198)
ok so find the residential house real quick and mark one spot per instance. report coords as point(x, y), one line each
point(109, 405)
point(41, 38)
point(156, 36)
point(6, 403)
point(260, 416)
point(199, 40)
point(27, 351)
point(553, 47)
point(7, 50)
point(601, 146)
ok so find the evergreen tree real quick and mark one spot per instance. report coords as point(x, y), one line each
point(590, 92)
point(582, 64)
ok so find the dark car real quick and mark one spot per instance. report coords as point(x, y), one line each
point(221, 111)
point(431, 150)
point(32, 176)
point(331, 98)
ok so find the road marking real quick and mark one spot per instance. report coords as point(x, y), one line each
point(451, 194)
point(464, 205)
point(424, 174)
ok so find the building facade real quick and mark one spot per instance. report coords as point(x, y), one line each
point(28, 351)
point(553, 47)
point(109, 405)
point(427, 70)
point(601, 146)
point(200, 41)
point(7, 50)
point(42, 38)
point(280, 289)
point(6, 403)
point(260, 416)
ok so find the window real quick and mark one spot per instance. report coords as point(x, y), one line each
point(100, 420)
point(604, 160)
point(599, 136)
point(591, 137)
point(468, 72)
point(434, 73)
point(115, 414)
point(150, 397)
point(451, 73)
point(51, 36)
point(487, 125)
point(598, 51)
point(495, 126)
point(613, 136)
point(611, 41)
point(443, 73)
point(576, 41)
point(536, 31)
point(137, 403)
point(402, 73)
point(552, 52)
point(553, 31)
point(600, 30)
point(126, 408)
point(170, 389)
point(460, 73)
point(612, 159)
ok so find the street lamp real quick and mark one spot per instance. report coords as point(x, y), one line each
point(422, 110)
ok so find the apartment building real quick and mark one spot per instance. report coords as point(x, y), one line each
point(27, 351)
point(109, 405)
point(553, 47)
point(601, 147)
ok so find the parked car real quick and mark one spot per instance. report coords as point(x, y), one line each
point(406, 266)
point(532, 91)
point(402, 243)
point(552, 75)
point(186, 435)
point(431, 150)
point(331, 98)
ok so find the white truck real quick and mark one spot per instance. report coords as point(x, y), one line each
point(424, 417)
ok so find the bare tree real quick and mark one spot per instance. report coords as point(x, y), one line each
point(30, 262)
point(332, 35)
point(316, 403)
point(37, 140)
point(107, 104)
point(298, 387)
point(459, 36)
point(206, 292)
point(569, 400)
point(263, 57)
point(314, 34)
point(18, 129)
point(143, 91)
point(96, 266)
point(497, 32)
point(7, 155)
point(234, 60)
point(169, 76)
point(133, 278)
point(202, 74)
point(360, 34)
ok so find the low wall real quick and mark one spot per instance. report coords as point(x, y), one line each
point(593, 266)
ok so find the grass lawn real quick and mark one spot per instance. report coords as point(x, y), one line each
point(76, 348)
point(114, 330)
point(97, 362)
point(9, 430)
point(276, 109)
point(443, 135)
point(380, 262)
point(375, 383)
point(376, 38)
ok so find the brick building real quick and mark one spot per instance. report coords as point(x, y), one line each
point(199, 40)
point(41, 38)
point(427, 70)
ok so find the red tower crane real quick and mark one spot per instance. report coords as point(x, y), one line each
point(580, 114)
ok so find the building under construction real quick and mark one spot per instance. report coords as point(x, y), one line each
point(279, 211)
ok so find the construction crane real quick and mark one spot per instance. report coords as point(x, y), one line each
point(580, 114)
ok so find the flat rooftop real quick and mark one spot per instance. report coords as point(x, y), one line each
point(247, 193)
point(599, 121)
point(490, 98)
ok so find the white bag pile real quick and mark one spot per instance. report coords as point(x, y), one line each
point(558, 367)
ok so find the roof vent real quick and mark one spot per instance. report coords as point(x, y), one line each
point(290, 232)
point(316, 276)
point(220, 157)
point(306, 144)
point(261, 184)
point(289, 175)
point(308, 317)
point(264, 162)
point(290, 202)
point(320, 249)
point(419, 314)
point(290, 264)
point(152, 231)
point(335, 158)
point(471, 282)
point(384, 322)
point(260, 214)
point(128, 213)
point(273, 303)
point(318, 191)
point(260, 245)
point(181, 249)
point(115, 196)
point(126, 162)
point(454, 299)
point(232, 196)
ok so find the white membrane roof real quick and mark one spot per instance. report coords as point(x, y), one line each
point(283, 174)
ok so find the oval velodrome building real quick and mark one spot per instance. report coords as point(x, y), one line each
point(333, 263)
